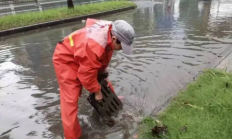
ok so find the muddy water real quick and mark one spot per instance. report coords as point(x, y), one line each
point(175, 40)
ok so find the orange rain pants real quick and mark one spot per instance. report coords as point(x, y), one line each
point(78, 59)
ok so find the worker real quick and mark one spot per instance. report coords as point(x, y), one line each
point(78, 60)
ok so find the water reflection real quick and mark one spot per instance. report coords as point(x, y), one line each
point(174, 41)
point(164, 15)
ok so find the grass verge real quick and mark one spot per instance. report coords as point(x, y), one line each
point(202, 111)
point(24, 19)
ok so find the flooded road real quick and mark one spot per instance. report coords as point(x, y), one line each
point(175, 40)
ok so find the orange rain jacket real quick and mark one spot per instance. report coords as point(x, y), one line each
point(78, 59)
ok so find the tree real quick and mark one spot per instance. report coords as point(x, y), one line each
point(70, 4)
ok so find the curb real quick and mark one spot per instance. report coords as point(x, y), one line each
point(218, 60)
point(57, 22)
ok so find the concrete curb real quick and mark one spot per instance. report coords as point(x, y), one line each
point(57, 22)
point(218, 60)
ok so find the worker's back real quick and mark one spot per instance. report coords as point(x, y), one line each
point(91, 42)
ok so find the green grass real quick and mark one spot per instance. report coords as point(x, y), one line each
point(205, 108)
point(24, 19)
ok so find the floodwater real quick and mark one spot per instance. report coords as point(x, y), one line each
point(175, 40)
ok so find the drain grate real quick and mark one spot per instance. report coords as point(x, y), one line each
point(110, 104)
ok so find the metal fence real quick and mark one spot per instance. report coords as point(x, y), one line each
point(8, 7)
point(5, 2)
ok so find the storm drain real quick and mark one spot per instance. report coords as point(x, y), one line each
point(110, 104)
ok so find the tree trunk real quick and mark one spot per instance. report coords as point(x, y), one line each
point(70, 4)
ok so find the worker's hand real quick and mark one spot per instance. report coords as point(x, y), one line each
point(108, 81)
point(109, 84)
point(98, 96)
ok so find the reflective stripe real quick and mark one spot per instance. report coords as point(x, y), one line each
point(71, 40)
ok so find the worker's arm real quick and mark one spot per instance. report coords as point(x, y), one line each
point(104, 71)
point(104, 74)
point(88, 70)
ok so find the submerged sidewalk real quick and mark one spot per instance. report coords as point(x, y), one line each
point(226, 64)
